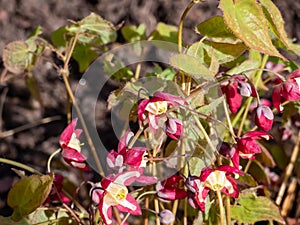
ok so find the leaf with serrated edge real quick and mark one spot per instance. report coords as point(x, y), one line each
point(247, 21)
point(251, 209)
point(191, 65)
point(275, 19)
point(28, 194)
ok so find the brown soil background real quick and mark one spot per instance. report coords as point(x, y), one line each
point(18, 18)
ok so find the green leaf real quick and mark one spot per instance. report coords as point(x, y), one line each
point(165, 32)
point(94, 30)
point(247, 21)
point(251, 209)
point(192, 66)
point(28, 194)
point(223, 52)
point(214, 27)
point(17, 57)
point(9, 221)
point(59, 37)
point(275, 20)
point(244, 66)
point(208, 109)
point(134, 33)
point(84, 55)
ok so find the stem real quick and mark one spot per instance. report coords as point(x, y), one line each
point(174, 209)
point(247, 166)
point(205, 134)
point(180, 27)
point(84, 127)
point(20, 165)
point(50, 159)
point(289, 170)
point(258, 75)
point(228, 214)
point(156, 207)
point(228, 119)
point(185, 212)
point(222, 213)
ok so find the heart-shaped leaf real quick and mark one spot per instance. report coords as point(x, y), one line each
point(28, 194)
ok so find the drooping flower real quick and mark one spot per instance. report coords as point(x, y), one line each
point(234, 88)
point(127, 159)
point(197, 192)
point(289, 90)
point(71, 146)
point(112, 192)
point(171, 188)
point(174, 128)
point(247, 147)
point(56, 195)
point(155, 107)
point(264, 117)
point(220, 179)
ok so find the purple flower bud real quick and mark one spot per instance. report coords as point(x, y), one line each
point(166, 217)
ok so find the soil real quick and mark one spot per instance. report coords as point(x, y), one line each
point(19, 18)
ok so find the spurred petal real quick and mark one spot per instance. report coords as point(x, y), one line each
point(234, 99)
point(134, 156)
point(141, 109)
point(70, 154)
point(257, 135)
point(129, 205)
point(231, 188)
point(125, 177)
point(67, 133)
point(105, 211)
point(171, 99)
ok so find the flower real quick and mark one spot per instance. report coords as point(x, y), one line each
point(171, 188)
point(71, 147)
point(234, 89)
point(289, 90)
point(264, 117)
point(112, 192)
point(247, 146)
point(156, 107)
point(53, 196)
point(197, 192)
point(166, 216)
point(220, 179)
point(174, 128)
point(129, 159)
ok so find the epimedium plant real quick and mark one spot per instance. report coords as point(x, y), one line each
point(214, 182)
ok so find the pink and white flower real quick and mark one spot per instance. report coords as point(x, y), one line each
point(156, 107)
point(220, 179)
point(127, 159)
point(71, 146)
point(234, 88)
point(264, 117)
point(197, 192)
point(171, 189)
point(289, 90)
point(112, 192)
point(247, 146)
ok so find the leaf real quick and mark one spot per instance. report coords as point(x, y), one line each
point(247, 21)
point(251, 209)
point(214, 27)
point(275, 19)
point(258, 172)
point(223, 52)
point(9, 221)
point(165, 32)
point(28, 194)
point(84, 55)
point(208, 109)
point(134, 33)
point(17, 57)
point(191, 65)
point(244, 66)
point(58, 37)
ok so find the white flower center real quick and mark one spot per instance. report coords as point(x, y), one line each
point(116, 193)
point(216, 180)
point(157, 108)
point(74, 143)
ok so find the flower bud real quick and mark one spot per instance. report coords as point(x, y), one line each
point(264, 118)
point(166, 217)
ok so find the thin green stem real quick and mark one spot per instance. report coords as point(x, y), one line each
point(247, 166)
point(20, 165)
point(228, 214)
point(180, 27)
point(248, 103)
point(228, 119)
point(50, 159)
